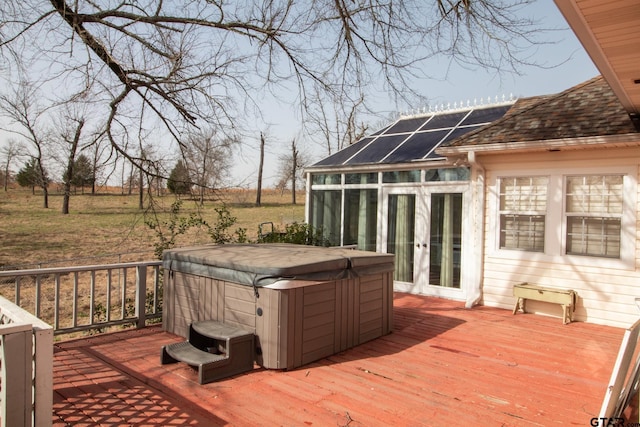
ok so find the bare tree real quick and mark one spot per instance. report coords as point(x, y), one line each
point(186, 62)
point(291, 166)
point(336, 124)
point(10, 151)
point(20, 106)
point(100, 157)
point(74, 143)
point(208, 158)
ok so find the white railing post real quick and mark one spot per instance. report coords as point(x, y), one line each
point(43, 375)
point(26, 388)
point(16, 374)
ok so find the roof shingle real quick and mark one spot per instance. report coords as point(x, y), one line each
point(586, 110)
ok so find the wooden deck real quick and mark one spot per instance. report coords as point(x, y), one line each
point(442, 365)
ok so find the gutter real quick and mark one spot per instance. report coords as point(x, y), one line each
point(559, 144)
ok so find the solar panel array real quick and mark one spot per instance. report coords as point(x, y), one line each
point(414, 138)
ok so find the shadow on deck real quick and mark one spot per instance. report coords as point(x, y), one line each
point(442, 365)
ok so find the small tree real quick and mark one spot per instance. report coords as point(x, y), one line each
point(10, 151)
point(32, 175)
point(291, 170)
point(83, 172)
point(179, 181)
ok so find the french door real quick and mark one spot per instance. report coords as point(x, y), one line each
point(423, 227)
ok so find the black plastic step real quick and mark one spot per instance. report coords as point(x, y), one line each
point(187, 353)
point(218, 330)
point(217, 349)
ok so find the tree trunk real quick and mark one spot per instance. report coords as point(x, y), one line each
point(131, 180)
point(43, 184)
point(294, 166)
point(259, 190)
point(141, 192)
point(68, 175)
point(45, 196)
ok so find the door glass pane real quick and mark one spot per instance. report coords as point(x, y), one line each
point(445, 240)
point(400, 234)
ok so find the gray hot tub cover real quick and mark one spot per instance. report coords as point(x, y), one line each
point(263, 264)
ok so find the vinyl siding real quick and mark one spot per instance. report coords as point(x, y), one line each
point(606, 288)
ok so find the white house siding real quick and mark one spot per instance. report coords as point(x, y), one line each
point(606, 288)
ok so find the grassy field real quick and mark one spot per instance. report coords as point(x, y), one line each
point(109, 227)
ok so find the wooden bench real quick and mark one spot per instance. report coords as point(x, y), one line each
point(565, 297)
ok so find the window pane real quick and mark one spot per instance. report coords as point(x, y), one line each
point(595, 195)
point(361, 178)
point(593, 236)
point(325, 214)
point(326, 179)
point(524, 232)
point(360, 218)
point(400, 234)
point(445, 240)
point(524, 194)
point(448, 174)
point(401, 176)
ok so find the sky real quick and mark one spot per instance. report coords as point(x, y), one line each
point(564, 64)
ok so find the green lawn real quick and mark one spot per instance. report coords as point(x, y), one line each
point(110, 227)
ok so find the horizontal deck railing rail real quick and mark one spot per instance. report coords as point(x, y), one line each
point(88, 298)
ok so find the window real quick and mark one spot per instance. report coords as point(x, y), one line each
point(448, 174)
point(523, 206)
point(359, 226)
point(361, 178)
point(325, 214)
point(594, 207)
point(360, 213)
point(401, 176)
point(326, 179)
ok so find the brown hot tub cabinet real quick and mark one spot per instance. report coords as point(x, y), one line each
point(302, 303)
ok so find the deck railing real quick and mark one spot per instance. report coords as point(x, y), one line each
point(26, 359)
point(88, 298)
point(58, 301)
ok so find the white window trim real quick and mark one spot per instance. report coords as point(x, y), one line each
point(555, 229)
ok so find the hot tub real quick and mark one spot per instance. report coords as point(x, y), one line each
point(302, 303)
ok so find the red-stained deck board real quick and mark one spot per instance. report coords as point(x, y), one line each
point(442, 365)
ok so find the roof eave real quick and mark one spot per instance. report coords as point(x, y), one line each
point(584, 31)
point(561, 144)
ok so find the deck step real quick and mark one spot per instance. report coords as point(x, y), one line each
point(187, 353)
point(216, 349)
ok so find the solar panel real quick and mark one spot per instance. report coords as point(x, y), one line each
point(485, 115)
point(381, 130)
point(343, 155)
point(377, 150)
point(415, 138)
point(407, 125)
point(445, 121)
point(416, 147)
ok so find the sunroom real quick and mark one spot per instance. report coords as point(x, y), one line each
point(392, 193)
